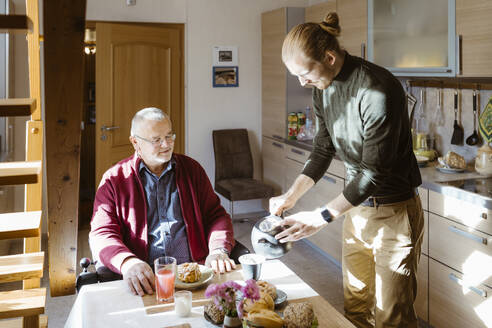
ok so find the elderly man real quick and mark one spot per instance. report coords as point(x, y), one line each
point(157, 203)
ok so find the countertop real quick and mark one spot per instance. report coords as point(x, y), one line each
point(431, 179)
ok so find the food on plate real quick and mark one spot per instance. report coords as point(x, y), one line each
point(264, 318)
point(214, 313)
point(454, 160)
point(189, 272)
point(300, 315)
point(265, 302)
point(268, 288)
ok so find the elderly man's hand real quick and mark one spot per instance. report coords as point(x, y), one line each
point(138, 275)
point(220, 261)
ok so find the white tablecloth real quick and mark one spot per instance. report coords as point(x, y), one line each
point(112, 305)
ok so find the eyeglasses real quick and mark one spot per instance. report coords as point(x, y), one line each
point(158, 141)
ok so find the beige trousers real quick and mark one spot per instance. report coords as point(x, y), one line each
point(381, 251)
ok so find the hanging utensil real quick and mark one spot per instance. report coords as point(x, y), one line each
point(411, 101)
point(439, 116)
point(458, 133)
point(474, 139)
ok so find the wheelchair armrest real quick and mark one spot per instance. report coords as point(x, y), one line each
point(238, 250)
point(102, 274)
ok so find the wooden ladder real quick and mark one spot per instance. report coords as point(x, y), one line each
point(28, 303)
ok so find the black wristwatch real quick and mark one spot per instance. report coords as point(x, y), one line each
point(326, 215)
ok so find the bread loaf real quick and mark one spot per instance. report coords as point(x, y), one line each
point(264, 318)
point(455, 161)
point(265, 302)
point(189, 272)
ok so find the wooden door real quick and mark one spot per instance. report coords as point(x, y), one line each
point(137, 66)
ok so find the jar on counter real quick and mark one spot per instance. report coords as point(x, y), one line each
point(292, 126)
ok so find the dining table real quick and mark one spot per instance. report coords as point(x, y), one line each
point(111, 304)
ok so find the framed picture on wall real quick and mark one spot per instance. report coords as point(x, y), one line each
point(225, 56)
point(225, 77)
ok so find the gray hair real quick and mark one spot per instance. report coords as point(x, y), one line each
point(149, 113)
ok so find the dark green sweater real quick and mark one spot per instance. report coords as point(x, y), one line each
point(362, 117)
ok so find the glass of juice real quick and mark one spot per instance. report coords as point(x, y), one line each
point(165, 271)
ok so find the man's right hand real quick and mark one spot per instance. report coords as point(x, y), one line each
point(138, 275)
point(280, 204)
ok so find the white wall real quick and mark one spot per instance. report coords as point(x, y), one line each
point(209, 23)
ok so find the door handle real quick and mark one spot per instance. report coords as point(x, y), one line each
point(109, 128)
point(277, 145)
point(476, 290)
point(295, 151)
point(468, 235)
point(363, 50)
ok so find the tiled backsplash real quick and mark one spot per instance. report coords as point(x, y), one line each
point(443, 133)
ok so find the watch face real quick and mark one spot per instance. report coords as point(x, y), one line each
point(326, 215)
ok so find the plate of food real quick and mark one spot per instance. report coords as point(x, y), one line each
point(444, 169)
point(192, 275)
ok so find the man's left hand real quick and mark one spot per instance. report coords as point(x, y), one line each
point(301, 225)
point(220, 262)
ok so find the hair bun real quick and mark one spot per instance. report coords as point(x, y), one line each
point(331, 24)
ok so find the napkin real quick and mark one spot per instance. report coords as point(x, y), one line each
point(485, 122)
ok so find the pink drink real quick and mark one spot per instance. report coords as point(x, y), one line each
point(164, 284)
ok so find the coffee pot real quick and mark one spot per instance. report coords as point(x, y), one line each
point(263, 238)
point(483, 161)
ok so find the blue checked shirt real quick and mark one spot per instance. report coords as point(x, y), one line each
point(165, 225)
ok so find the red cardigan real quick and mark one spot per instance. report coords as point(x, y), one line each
point(119, 220)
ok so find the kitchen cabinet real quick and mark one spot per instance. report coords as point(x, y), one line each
point(454, 305)
point(317, 13)
point(281, 91)
point(474, 25)
point(353, 21)
point(273, 154)
point(328, 240)
point(460, 263)
point(460, 211)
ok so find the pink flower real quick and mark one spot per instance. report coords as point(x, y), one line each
point(251, 290)
point(224, 295)
point(240, 311)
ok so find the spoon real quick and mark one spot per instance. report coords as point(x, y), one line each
point(474, 139)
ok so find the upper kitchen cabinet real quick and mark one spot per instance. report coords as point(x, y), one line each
point(317, 13)
point(353, 21)
point(281, 91)
point(474, 25)
point(413, 38)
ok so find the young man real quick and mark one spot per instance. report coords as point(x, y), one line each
point(362, 117)
point(157, 203)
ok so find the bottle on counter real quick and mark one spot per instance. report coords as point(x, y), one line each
point(301, 123)
point(308, 129)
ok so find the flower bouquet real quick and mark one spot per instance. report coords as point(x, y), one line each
point(225, 297)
